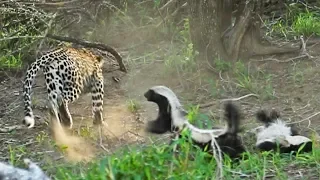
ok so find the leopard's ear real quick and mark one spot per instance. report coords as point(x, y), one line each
point(100, 60)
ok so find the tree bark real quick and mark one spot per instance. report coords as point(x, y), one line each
point(214, 35)
point(204, 28)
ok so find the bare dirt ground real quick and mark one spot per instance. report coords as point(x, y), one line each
point(295, 84)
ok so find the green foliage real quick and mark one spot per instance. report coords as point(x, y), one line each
point(185, 59)
point(16, 154)
point(215, 88)
point(156, 3)
point(11, 62)
point(280, 28)
point(198, 118)
point(257, 82)
point(296, 22)
point(21, 29)
point(42, 137)
point(193, 112)
point(158, 162)
point(222, 65)
point(133, 105)
point(243, 77)
point(147, 163)
point(306, 24)
point(86, 132)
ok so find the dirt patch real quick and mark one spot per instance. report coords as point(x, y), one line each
point(119, 120)
point(75, 148)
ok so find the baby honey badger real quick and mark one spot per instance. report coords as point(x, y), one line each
point(171, 117)
point(277, 135)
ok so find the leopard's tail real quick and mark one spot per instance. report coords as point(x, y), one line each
point(27, 86)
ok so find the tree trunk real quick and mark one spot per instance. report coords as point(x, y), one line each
point(214, 35)
point(205, 28)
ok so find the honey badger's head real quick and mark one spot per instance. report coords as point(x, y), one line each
point(171, 116)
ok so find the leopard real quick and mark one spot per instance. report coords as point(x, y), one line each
point(68, 72)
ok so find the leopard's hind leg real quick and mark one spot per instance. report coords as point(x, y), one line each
point(53, 88)
point(97, 94)
point(65, 115)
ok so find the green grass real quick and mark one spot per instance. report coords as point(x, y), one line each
point(298, 23)
point(11, 62)
point(306, 24)
point(184, 60)
point(154, 162)
point(222, 65)
point(133, 105)
point(257, 82)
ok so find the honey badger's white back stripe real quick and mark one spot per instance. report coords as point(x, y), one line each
point(177, 111)
point(178, 119)
point(204, 135)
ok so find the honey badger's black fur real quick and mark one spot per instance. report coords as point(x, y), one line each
point(171, 117)
point(277, 135)
point(229, 142)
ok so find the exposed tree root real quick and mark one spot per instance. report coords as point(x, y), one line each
point(233, 38)
point(100, 46)
point(244, 38)
point(254, 47)
point(214, 35)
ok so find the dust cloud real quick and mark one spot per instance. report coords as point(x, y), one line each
point(75, 148)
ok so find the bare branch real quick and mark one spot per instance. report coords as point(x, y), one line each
point(20, 37)
point(100, 46)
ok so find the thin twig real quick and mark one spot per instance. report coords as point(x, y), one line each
point(46, 32)
point(231, 99)
point(216, 148)
point(304, 48)
point(239, 98)
point(239, 173)
point(306, 119)
point(11, 128)
point(164, 6)
point(20, 37)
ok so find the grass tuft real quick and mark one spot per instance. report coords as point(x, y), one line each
point(306, 24)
